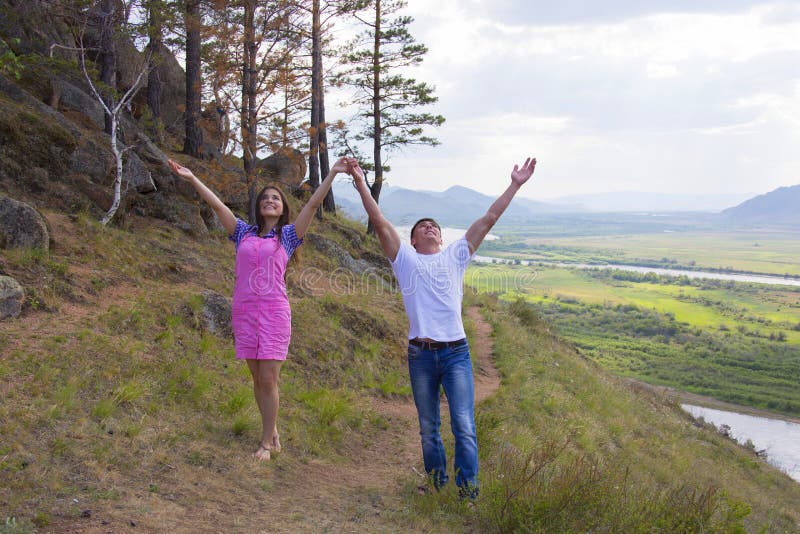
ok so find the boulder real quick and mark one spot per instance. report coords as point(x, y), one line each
point(11, 297)
point(215, 315)
point(286, 166)
point(148, 150)
point(92, 160)
point(332, 250)
point(210, 218)
point(172, 97)
point(136, 175)
point(171, 208)
point(22, 226)
point(73, 98)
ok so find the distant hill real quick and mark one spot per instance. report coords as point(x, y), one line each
point(781, 206)
point(456, 206)
point(638, 201)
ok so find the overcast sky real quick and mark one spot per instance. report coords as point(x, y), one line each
point(677, 96)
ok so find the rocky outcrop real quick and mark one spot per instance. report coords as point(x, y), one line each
point(287, 167)
point(215, 315)
point(22, 226)
point(136, 175)
point(344, 260)
point(69, 97)
point(11, 297)
point(184, 214)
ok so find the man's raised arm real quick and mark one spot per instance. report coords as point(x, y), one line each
point(386, 233)
point(481, 227)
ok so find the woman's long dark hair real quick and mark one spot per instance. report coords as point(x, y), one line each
point(283, 220)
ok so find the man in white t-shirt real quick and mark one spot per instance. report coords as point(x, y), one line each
point(432, 280)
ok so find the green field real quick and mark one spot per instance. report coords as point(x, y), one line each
point(735, 342)
point(767, 252)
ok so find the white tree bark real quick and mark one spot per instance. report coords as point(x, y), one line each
point(114, 114)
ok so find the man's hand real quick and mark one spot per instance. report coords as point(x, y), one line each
point(520, 176)
point(355, 171)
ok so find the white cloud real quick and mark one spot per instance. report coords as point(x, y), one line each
point(658, 71)
point(661, 101)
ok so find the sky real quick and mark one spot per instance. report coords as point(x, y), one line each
point(695, 97)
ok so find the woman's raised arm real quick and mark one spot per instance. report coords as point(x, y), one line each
point(226, 216)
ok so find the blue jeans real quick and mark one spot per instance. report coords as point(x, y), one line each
point(450, 368)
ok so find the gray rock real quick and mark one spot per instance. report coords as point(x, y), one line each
point(76, 99)
point(210, 218)
point(21, 226)
point(183, 214)
point(172, 98)
point(92, 160)
point(19, 95)
point(11, 297)
point(148, 150)
point(287, 167)
point(364, 269)
point(215, 316)
point(136, 174)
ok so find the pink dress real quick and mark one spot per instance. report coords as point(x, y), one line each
point(261, 318)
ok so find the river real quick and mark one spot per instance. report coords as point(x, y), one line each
point(778, 438)
point(451, 234)
point(751, 278)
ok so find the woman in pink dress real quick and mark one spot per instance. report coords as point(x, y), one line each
point(261, 317)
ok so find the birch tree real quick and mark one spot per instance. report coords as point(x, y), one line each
point(113, 105)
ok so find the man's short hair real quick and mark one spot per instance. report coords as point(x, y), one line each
point(426, 219)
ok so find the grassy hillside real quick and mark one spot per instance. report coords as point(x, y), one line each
point(120, 412)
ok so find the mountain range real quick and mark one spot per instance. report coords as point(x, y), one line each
point(460, 206)
point(456, 206)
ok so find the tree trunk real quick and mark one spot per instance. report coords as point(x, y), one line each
point(375, 188)
point(194, 136)
point(316, 85)
point(328, 203)
point(248, 118)
point(154, 83)
point(108, 60)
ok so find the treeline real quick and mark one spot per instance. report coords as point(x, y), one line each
point(654, 347)
point(260, 69)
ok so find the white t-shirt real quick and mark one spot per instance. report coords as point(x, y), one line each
point(433, 286)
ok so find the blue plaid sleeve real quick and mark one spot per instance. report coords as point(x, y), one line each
point(241, 230)
point(289, 239)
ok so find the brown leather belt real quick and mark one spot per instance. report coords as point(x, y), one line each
point(436, 345)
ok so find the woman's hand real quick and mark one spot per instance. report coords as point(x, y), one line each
point(180, 170)
point(341, 165)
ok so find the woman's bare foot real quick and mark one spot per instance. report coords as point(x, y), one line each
point(263, 453)
point(276, 443)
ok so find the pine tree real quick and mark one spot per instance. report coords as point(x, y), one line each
point(386, 98)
